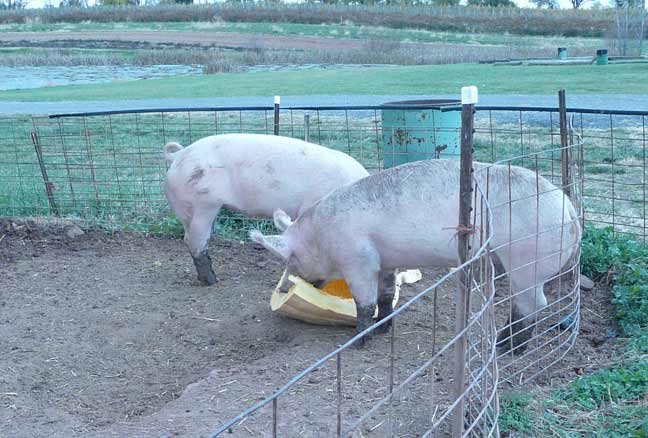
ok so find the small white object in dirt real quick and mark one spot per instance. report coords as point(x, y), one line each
point(585, 283)
point(73, 231)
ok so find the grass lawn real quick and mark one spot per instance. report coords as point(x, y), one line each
point(351, 31)
point(436, 79)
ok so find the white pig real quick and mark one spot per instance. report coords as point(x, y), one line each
point(406, 217)
point(251, 174)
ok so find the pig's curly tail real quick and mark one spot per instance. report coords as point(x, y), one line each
point(170, 149)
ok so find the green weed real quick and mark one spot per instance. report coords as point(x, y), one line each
point(626, 383)
point(609, 403)
point(515, 415)
point(624, 261)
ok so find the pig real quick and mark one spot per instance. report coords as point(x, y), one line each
point(407, 216)
point(250, 174)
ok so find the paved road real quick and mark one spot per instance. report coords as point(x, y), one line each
point(601, 101)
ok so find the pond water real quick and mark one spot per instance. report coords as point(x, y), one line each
point(12, 78)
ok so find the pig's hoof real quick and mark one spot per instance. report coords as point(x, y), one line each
point(360, 343)
point(504, 341)
point(209, 279)
point(511, 340)
point(385, 328)
point(514, 336)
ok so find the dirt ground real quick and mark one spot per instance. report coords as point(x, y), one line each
point(162, 39)
point(111, 335)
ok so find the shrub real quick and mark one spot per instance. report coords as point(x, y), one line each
point(624, 261)
point(429, 17)
point(515, 415)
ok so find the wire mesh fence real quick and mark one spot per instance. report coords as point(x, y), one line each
point(107, 170)
point(397, 384)
point(613, 159)
point(532, 229)
point(538, 295)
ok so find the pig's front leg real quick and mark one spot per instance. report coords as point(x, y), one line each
point(197, 238)
point(364, 288)
point(386, 289)
point(284, 283)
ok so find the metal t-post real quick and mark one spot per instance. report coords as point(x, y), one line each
point(565, 151)
point(464, 232)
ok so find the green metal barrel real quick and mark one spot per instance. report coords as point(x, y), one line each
point(602, 57)
point(420, 130)
point(562, 53)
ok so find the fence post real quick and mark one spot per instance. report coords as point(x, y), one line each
point(277, 103)
point(564, 143)
point(48, 185)
point(307, 127)
point(464, 231)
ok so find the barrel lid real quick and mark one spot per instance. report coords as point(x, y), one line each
point(427, 103)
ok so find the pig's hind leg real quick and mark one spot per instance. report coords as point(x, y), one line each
point(197, 237)
point(386, 289)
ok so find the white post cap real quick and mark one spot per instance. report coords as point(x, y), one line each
point(469, 95)
point(277, 100)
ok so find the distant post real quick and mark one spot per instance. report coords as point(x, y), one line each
point(41, 163)
point(277, 103)
point(565, 151)
point(464, 232)
point(562, 53)
point(307, 127)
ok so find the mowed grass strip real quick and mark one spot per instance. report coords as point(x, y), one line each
point(415, 80)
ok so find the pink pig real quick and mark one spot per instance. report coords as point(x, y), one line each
point(251, 174)
point(406, 217)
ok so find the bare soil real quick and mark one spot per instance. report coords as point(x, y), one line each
point(180, 39)
point(111, 335)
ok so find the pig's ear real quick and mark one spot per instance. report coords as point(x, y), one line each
point(276, 244)
point(281, 219)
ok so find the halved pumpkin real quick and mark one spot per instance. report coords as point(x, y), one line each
point(331, 305)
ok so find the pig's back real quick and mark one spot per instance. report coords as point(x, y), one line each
point(406, 212)
point(410, 212)
point(267, 172)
